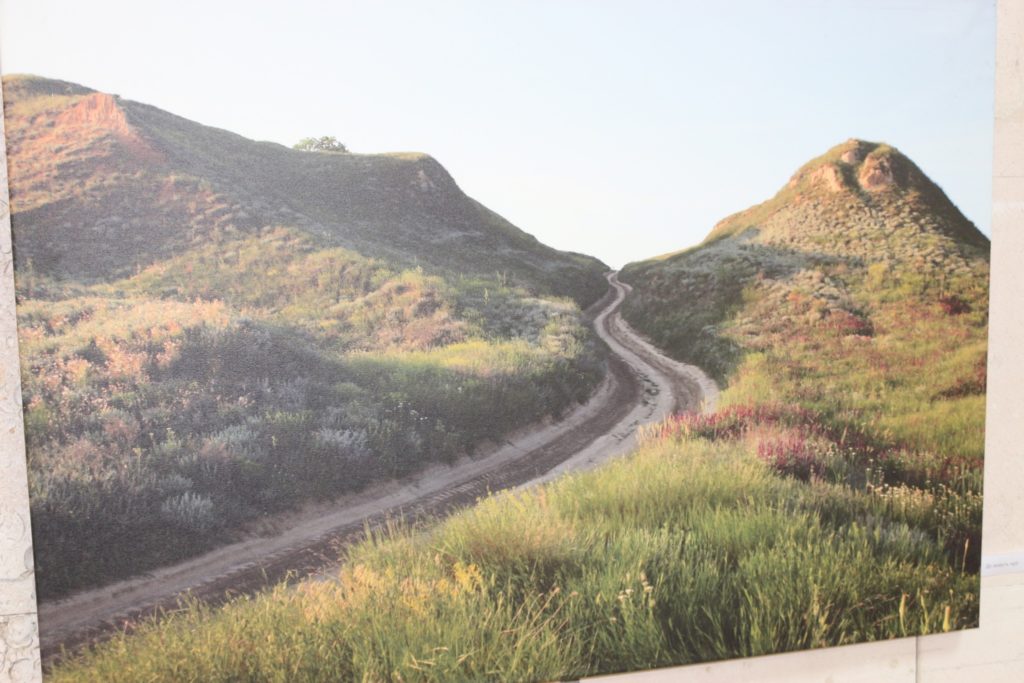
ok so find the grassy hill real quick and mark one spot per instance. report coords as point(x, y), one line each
point(215, 329)
point(859, 226)
point(858, 293)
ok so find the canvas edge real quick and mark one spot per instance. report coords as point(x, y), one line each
point(19, 632)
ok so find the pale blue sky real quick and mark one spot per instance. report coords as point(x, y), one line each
point(620, 129)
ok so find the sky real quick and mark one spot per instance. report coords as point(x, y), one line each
point(618, 129)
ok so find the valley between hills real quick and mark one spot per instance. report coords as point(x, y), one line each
point(245, 365)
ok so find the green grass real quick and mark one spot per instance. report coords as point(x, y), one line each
point(687, 551)
point(916, 379)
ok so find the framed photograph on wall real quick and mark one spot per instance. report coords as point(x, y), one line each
point(523, 342)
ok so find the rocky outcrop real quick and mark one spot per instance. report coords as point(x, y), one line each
point(96, 110)
point(876, 173)
point(829, 177)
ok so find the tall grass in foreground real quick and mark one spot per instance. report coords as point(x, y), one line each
point(690, 550)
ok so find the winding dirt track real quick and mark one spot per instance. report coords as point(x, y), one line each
point(641, 386)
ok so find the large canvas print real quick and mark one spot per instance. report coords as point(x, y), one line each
point(666, 345)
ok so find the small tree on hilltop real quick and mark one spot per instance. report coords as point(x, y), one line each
point(327, 143)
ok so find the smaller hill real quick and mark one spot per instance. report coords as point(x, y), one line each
point(857, 299)
point(859, 291)
point(861, 213)
point(868, 178)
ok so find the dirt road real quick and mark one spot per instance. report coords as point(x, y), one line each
point(642, 386)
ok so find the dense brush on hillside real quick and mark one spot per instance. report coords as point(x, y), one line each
point(214, 329)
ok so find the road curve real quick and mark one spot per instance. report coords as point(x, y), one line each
point(668, 387)
point(641, 386)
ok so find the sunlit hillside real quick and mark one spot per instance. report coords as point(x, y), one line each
point(859, 293)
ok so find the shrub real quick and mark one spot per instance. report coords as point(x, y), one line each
point(191, 511)
point(953, 305)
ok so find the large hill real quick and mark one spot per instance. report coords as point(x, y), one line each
point(102, 185)
point(215, 329)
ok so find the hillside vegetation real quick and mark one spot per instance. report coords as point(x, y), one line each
point(214, 330)
point(858, 292)
point(833, 498)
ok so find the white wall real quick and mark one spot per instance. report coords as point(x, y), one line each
point(19, 644)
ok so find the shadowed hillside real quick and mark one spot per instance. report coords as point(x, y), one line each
point(214, 330)
point(103, 185)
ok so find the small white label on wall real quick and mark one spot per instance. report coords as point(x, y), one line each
point(1009, 563)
